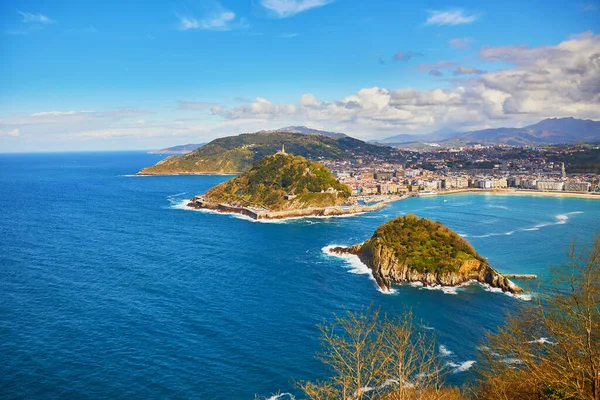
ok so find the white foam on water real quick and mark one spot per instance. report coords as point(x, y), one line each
point(444, 289)
point(356, 266)
point(444, 352)
point(429, 328)
point(462, 367)
point(488, 288)
point(183, 205)
point(134, 176)
point(281, 395)
point(416, 284)
point(542, 340)
point(497, 206)
point(561, 219)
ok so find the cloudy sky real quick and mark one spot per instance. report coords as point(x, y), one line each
point(83, 75)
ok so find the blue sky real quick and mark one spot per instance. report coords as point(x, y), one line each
point(130, 74)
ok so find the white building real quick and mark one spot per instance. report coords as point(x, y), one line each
point(547, 185)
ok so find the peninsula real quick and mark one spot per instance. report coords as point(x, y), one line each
point(282, 186)
point(413, 249)
point(236, 154)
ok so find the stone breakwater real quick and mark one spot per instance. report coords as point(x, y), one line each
point(388, 270)
point(198, 202)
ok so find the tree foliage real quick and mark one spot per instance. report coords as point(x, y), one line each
point(274, 177)
point(551, 348)
point(423, 244)
point(235, 154)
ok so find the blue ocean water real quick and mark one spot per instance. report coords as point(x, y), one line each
point(110, 289)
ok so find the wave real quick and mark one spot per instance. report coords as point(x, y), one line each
point(462, 367)
point(133, 176)
point(182, 205)
point(173, 198)
point(520, 296)
point(541, 340)
point(281, 395)
point(357, 266)
point(444, 289)
point(444, 352)
point(497, 206)
point(561, 219)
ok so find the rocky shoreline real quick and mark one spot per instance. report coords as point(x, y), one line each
point(387, 271)
point(199, 203)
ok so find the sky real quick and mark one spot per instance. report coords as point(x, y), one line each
point(120, 75)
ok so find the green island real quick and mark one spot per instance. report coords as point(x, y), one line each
point(282, 186)
point(413, 249)
point(235, 154)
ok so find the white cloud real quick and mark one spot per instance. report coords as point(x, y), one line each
point(288, 8)
point(288, 35)
point(454, 17)
point(546, 81)
point(14, 132)
point(186, 23)
point(28, 17)
point(218, 19)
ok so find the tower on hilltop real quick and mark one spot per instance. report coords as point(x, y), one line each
point(282, 151)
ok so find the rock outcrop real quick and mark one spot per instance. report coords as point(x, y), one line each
point(412, 249)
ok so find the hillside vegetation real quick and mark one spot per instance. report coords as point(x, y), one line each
point(422, 244)
point(235, 154)
point(274, 177)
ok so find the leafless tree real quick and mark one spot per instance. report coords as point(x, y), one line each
point(373, 356)
point(550, 349)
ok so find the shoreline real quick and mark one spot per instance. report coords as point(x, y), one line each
point(357, 266)
point(198, 203)
point(523, 192)
point(380, 201)
point(191, 174)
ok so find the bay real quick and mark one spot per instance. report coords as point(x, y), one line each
point(110, 288)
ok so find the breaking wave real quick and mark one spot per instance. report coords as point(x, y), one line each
point(462, 367)
point(444, 352)
point(356, 266)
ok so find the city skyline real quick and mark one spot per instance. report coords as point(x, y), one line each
point(130, 75)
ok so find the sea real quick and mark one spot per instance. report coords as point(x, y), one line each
point(111, 288)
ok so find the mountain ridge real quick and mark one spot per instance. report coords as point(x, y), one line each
point(547, 131)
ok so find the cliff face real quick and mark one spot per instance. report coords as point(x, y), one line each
point(396, 251)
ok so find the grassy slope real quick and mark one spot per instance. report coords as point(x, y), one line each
point(424, 245)
point(272, 177)
point(235, 154)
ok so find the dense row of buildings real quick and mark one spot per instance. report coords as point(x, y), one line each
point(393, 179)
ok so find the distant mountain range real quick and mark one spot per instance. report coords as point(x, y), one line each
point(548, 131)
point(182, 149)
